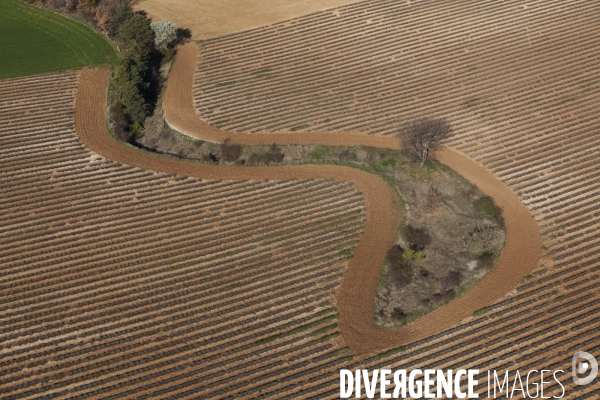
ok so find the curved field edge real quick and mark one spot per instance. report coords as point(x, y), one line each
point(383, 216)
point(356, 299)
point(35, 40)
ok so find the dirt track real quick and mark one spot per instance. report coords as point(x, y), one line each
point(180, 115)
point(357, 294)
point(383, 211)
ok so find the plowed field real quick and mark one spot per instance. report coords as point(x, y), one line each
point(520, 84)
point(120, 281)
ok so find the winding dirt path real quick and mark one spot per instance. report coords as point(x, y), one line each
point(356, 299)
point(178, 107)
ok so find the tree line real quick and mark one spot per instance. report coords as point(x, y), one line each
point(142, 46)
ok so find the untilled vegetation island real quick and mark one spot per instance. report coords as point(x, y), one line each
point(451, 236)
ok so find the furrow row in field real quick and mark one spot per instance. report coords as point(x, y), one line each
point(116, 277)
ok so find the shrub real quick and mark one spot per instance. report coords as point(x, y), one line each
point(272, 155)
point(413, 258)
point(402, 263)
point(347, 155)
point(230, 152)
point(183, 35)
point(484, 240)
point(486, 260)
point(399, 314)
point(452, 280)
point(118, 13)
point(134, 77)
point(399, 273)
point(417, 238)
point(433, 199)
point(211, 158)
point(485, 206)
point(165, 34)
point(119, 124)
point(275, 153)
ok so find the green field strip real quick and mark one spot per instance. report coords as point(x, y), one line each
point(36, 41)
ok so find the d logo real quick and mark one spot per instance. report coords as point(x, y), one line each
point(581, 367)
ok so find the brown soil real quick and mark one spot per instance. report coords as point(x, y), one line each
point(359, 286)
point(212, 18)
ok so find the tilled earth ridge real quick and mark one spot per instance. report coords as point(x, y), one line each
point(118, 280)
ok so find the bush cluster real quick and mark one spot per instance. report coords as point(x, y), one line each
point(484, 240)
point(273, 155)
point(230, 152)
point(402, 263)
point(417, 238)
point(486, 207)
point(142, 45)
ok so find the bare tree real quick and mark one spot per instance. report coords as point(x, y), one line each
point(422, 137)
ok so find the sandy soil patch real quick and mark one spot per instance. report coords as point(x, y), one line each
point(213, 18)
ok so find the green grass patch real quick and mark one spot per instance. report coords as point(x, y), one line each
point(262, 277)
point(320, 152)
point(481, 311)
point(341, 351)
point(586, 83)
point(527, 278)
point(472, 69)
point(328, 337)
point(570, 99)
point(298, 127)
point(390, 352)
point(485, 206)
point(226, 83)
point(533, 101)
point(347, 254)
point(261, 71)
point(266, 340)
point(36, 41)
point(559, 298)
point(319, 332)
